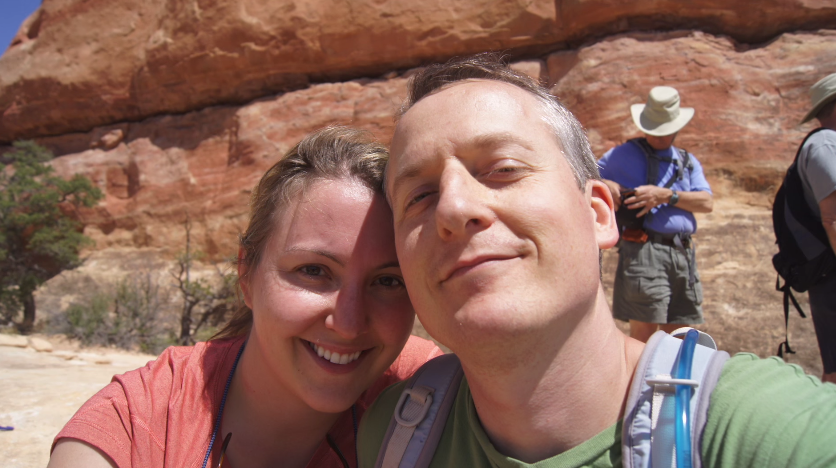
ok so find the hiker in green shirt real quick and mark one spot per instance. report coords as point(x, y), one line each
point(500, 217)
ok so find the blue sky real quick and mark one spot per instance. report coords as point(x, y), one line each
point(12, 13)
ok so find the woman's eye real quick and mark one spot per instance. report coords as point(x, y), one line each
point(390, 281)
point(312, 270)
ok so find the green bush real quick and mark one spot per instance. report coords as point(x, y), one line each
point(129, 316)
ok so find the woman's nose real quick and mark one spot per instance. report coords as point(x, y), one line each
point(348, 317)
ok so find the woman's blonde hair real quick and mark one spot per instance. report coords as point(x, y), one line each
point(332, 153)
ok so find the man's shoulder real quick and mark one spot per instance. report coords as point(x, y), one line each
point(761, 403)
point(822, 134)
point(628, 148)
point(823, 138)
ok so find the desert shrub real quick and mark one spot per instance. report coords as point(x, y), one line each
point(129, 315)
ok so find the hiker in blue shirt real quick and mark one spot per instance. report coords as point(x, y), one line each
point(656, 188)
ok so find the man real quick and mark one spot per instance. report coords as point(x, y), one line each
point(817, 169)
point(656, 283)
point(499, 220)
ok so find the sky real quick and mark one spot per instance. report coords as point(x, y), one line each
point(12, 13)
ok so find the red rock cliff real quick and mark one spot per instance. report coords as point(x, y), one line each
point(175, 106)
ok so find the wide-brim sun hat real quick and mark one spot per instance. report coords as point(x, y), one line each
point(661, 116)
point(821, 93)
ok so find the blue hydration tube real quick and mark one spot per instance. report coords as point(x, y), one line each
point(683, 400)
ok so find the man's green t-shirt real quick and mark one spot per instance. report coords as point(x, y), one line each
point(763, 413)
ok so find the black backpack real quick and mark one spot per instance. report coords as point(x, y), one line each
point(804, 255)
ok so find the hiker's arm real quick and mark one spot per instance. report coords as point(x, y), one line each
point(615, 190)
point(72, 453)
point(649, 196)
point(828, 217)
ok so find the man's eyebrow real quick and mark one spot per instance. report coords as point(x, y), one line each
point(489, 140)
point(498, 139)
point(405, 172)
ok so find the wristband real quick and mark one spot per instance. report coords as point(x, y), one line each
point(674, 198)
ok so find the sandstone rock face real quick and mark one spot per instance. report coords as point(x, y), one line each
point(205, 163)
point(155, 172)
point(748, 100)
point(79, 64)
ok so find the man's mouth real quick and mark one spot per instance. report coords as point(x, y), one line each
point(462, 267)
point(333, 356)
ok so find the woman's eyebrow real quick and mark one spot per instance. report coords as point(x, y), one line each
point(386, 265)
point(321, 252)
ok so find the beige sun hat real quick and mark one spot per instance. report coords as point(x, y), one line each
point(661, 116)
point(820, 94)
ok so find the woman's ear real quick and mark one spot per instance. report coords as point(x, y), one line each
point(243, 278)
point(603, 209)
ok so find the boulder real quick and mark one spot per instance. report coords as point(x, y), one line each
point(39, 344)
point(80, 64)
point(15, 341)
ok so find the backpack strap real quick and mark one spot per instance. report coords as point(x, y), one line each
point(686, 159)
point(653, 160)
point(648, 434)
point(421, 414)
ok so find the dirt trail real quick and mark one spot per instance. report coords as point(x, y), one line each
point(39, 392)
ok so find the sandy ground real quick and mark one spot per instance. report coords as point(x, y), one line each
point(39, 392)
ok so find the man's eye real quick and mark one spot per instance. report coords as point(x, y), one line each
point(504, 171)
point(390, 281)
point(417, 198)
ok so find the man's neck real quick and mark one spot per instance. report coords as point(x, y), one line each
point(558, 394)
point(829, 122)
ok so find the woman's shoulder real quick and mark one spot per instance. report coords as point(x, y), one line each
point(177, 362)
point(415, 353)
point(170, 399)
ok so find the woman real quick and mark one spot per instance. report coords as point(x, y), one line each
point(326, 317)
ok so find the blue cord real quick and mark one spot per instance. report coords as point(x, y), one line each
point(221, 409)
point(683, 400)
point(354, 419)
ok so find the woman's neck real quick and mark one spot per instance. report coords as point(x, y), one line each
point(270, 426)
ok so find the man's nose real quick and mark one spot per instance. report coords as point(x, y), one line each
point(348, 316)
point(462, 207)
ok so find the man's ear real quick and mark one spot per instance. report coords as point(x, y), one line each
point(243, 277)
point(603, 211)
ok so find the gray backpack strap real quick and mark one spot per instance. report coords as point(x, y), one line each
point(648, 433)
point(421, 414)
point(686, 159)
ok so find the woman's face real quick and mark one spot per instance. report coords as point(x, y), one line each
point(330, 310)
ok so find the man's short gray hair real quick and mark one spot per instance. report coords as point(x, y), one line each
point(489, 66)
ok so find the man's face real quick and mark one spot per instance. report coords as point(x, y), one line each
point(493, 235)
point(660, 142)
